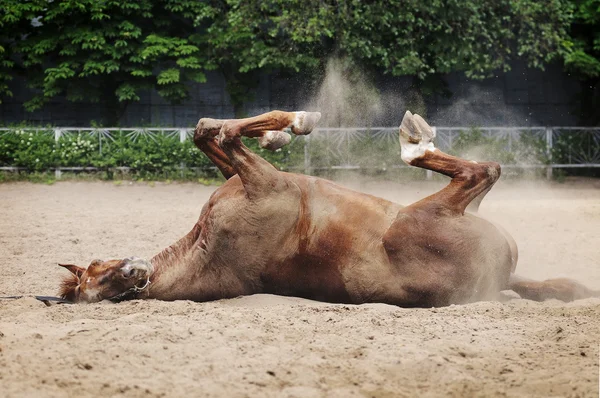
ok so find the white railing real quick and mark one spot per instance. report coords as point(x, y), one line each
point(336, 145)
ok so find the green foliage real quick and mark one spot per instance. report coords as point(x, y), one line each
point(147, 155)
point(583, 55)
point(473, 144)
point(108, 51)
point(366, 152)
point(281, 158)
point(34, 151)
point(90, 50)
point(77, 150)
point(574, 147)
point(403, 38)
point(531, 149)
point(161, 156)
point(569, 147)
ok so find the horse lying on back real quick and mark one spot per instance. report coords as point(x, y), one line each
point(266, 231)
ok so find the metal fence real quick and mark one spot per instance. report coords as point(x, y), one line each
point(378, 147)
point(561, 147)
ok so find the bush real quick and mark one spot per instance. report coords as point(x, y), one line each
point(33, 151)
point(149, 156)
point(527, 149)
point(161, 156)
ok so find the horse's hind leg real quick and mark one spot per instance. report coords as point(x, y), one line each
point(470, 180)
point(438, 252)
point(473, 207)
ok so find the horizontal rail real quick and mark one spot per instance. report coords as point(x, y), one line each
point(463, 128)
point(343, 167)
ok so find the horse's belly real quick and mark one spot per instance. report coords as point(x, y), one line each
point(306, 276)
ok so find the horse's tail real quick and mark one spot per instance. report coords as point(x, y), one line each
point(560, 288)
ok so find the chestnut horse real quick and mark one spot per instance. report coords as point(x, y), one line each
point(266, 231)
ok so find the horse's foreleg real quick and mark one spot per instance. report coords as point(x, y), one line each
point(267, 127)
point(259, 176)
point(204, 138)
point(470, 180)
point(211, 149)
point(561, 288)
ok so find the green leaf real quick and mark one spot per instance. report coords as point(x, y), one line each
point(127, 92)
point(189, 62)
point(168, 76)
point(583, 63)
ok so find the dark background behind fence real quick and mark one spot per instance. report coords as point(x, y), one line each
point(520, 97)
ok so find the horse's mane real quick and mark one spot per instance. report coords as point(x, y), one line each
point(67, 287)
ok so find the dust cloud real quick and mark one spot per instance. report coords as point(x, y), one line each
point(475, 105)
point(347, 97)
point(480, 110)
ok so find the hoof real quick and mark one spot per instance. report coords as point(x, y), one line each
point(416, 137)
point(415, 129)
point(273, 140)
point(305, 122)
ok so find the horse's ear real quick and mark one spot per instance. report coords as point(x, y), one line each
point(75, 270)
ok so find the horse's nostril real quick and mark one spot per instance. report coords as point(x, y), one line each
point(128, 273)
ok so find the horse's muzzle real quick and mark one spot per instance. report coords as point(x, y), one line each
point(136, 268)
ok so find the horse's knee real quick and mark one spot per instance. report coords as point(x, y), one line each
point(207, 128)
point(493, 171)
point(200, 140)
point(486, 173)
point(469, 177)
point(229, 134)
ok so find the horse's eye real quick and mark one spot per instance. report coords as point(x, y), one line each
point(102, 280)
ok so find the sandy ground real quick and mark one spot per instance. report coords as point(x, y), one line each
point(271, 346)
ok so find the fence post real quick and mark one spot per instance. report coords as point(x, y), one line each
point(182, 138)
point(307, 170)
point(429, 173)
point(57, 135)
point(549, 152)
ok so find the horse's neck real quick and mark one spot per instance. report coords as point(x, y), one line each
point(172, 266)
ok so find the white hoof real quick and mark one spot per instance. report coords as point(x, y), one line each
point(273, 140)
point(305, 122)
point(416, 137)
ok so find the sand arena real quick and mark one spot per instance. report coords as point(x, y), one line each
point(278, 346)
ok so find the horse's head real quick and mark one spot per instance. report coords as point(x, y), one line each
point(110, 279)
